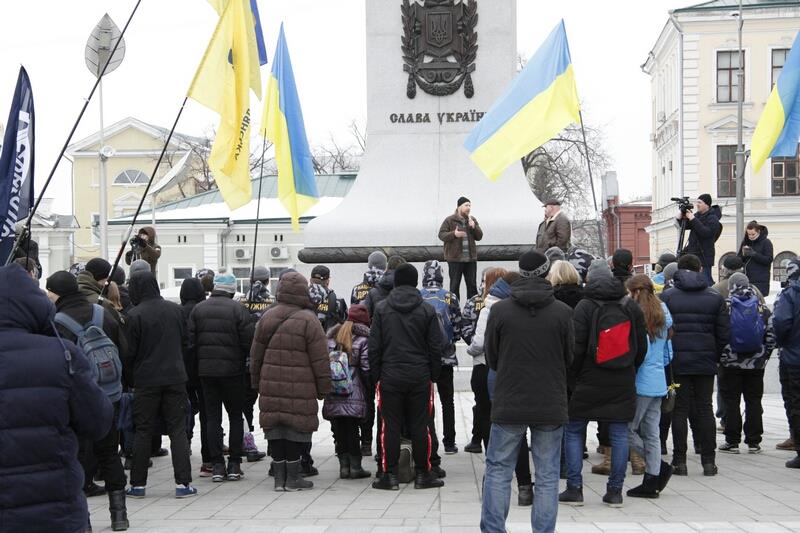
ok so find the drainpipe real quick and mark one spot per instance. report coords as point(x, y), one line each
point(223, 236)
point(617, 235)
point(679, 29)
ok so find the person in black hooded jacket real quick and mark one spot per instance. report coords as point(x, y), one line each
point(701, 326)
point(192, 293)
point(757, 254)
point(706, 227)
point(405, 358)
point(157, 337)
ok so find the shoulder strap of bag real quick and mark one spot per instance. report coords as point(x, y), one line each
point(97, 316)
point(69, 323)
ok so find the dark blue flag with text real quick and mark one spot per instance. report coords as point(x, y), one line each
point(16, 164)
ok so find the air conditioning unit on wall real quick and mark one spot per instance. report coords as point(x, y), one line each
point(242, 254)
point(279, 252)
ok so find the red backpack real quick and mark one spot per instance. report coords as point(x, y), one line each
point(611, 337)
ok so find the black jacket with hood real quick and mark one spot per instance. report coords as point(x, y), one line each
point(700, 322)
point(705, 230)
point(379, 292)
point(156, 335)
point(405, 340)
point(221, 332)
point(192, 293)
point(758, 261)
point(528, 342)
point(599, 393)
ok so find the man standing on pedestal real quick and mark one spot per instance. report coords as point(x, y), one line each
point(555, 229)
point(459, 232)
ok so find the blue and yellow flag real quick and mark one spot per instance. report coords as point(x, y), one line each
point(283, 125)
point(540, 102)
point(778, 129)
point(230, 67)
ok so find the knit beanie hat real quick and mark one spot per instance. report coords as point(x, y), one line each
point(733, 263)
point(377, 260)
point(225, 282)
point(669, 271)
point(358, 314)
point(261, 273)
point(99, 268)
point(738, 280)
point(62, 283)
point(118, 276)
point(705, 198)
point(406, 276)
point(554, 253)
point(533, 264)
point(432, 273)
point(462, 200)
point(665, 259)
point(598, 269)
point(140, 265)
point(580, 259)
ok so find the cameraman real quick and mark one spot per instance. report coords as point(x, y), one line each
point(705, 229)
point(144, 246)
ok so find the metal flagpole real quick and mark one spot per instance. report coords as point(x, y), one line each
point(71, 133)
point(258, 211)
point(740, 153)
point(591, 185)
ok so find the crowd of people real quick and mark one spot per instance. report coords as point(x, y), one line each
point(99, 366)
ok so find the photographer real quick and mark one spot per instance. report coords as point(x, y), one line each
point(705, 229)
point(144, 246)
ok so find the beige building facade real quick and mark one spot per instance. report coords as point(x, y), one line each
point(693, 69)
point(132, 147)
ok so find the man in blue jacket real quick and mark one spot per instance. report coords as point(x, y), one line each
point(787, 332)
point(48, 401)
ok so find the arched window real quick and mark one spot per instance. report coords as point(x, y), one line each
point(779, 265)
point(723, 258)
point(131, 177)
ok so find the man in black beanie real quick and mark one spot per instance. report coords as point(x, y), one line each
point(405, 358)
point(459, 232)
point(528, 343)
point(705, 227)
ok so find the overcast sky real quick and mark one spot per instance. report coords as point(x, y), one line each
point(609, 41)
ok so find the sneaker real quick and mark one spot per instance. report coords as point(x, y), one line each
point(218, 473)
point(135, 492)
point(234, 472)
point(787, 445)
point(450, 449)
point(793, 463)
point(710, 469)
point(386, 481)
point(439, 471)
point(206, 470)
point(427, 480)
point(473, 447)
point(185, 491)
point(753, 448)
point(729, 448)
point(571, 496)
point(613, 496)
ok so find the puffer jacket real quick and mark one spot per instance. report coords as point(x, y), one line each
point(47, 405)
point(650, 377)
point(758, 261)
point(289, 360)
point(354, 405)
point(700, 322)
point(786, 320)
point(221, 332)
point(600, 393)
point(405, 340)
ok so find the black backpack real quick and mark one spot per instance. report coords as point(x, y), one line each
point(612, 340)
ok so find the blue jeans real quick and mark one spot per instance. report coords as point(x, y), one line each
point(644, 432)
point(501, 457)
point(618, 434)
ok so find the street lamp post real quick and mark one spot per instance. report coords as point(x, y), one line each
point(740, 153)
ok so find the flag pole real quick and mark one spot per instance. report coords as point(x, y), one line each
point(258, 212)
point(127, 235)
point(69, 137)
point(591, 185)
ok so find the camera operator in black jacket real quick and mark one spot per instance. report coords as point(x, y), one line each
point(705, 229)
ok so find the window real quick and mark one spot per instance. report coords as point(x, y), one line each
point(181, 273)
point(779, 265)
point(241, 238)
point(131, 177)
point(785, 176)
point(726, 170)
point(727, 76)
point(182, 239)
point(96, 228)
point(778, 60)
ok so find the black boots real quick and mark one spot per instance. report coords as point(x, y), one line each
point(427, 480)
point(356, 470)
point(119, 513)
point(794, 463)
point(613, 497)
point(278, 469)
point(344, 466)
point(648, 488)
point(294, 481)
point(665, 474)
point(710, 469)
point(386, 481)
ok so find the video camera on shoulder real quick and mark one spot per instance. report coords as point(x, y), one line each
point(683, 203)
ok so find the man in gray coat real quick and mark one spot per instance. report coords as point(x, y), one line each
point(555, 229)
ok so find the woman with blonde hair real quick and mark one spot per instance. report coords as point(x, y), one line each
point(566, 283)
point(113, 296)
point(651, 387)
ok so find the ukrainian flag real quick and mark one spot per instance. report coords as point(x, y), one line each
point(540, 103)
point(778, 129)
point(283, 125)
point(229, 68)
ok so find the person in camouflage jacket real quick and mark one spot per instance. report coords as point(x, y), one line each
point(376, 266)
point(472, 309)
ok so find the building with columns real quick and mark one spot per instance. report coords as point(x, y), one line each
point(693, 69)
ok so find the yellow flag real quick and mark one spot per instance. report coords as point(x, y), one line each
point(254, 40)
point(222, 83)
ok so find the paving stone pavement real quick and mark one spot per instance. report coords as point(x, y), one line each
point(752, 493)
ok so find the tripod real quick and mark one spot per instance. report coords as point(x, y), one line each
point(681, 236)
